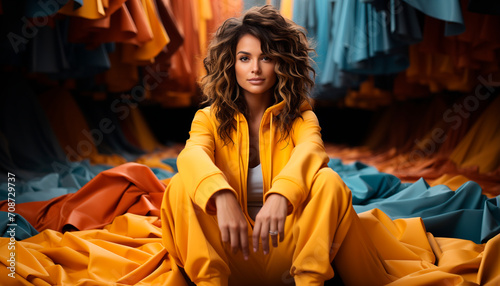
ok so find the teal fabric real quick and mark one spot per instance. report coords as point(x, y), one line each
point(491, 219)
point(315, 17)
point(449, 11)
point(406, 22)
point(357, 38)
point(51, 53)
point(465, 213)
point(67, 178)
point(19, 229)
point(40, 8)
point(172, 162)
point(362, 42)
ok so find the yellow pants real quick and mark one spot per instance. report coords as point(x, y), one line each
point(325, 229)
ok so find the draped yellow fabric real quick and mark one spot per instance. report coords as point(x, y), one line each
point(286, 8)
point(452, 182)
point(480, 148)
point(147, 51)
point(129, 252)
point(93, 9)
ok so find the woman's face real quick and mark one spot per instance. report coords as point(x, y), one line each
point(254, 70)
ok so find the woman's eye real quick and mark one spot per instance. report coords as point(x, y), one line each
point(267, 59)
point(243, 59)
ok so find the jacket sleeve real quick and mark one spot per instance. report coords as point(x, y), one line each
point(308, 156)
point(196, 164)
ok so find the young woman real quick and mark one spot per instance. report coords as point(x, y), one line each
point(254, 202)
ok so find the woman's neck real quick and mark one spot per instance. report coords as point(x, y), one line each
point(257, 105)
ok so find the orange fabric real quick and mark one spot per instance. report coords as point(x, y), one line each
point(93, 9)
point(121, 76)
point(172, 27)
point(144, 31)
point(203, 12)
point(157, 76)
point(184, 63)
point(221, 10)
point(115, 26)
point(148, 50)
point(132, 243)
point(130, 187)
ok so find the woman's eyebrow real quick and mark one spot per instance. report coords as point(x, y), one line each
point(247, 53)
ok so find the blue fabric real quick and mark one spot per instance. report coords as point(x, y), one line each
point(406, 22)
point(172, 162)
point(22, 123)
point(465, 213)
point(317, 17)
point(20, 228)
point(66, 178)
point(367, 37)
point(491, 219)
point(446, 10)
point(38, 8)
point(360, 41)
point(53, 54)
point(162, 174)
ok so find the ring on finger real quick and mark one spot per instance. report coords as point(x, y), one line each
point(273, 233)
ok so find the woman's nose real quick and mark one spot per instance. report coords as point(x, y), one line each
point(256, 67)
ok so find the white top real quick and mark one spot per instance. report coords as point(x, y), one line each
point(255, 186)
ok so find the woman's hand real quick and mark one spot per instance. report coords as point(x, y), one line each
point(271, 218)
point(232, 223)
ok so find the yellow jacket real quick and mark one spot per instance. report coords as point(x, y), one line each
point(207, 165)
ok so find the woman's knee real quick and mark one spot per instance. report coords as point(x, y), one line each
point(328, 184)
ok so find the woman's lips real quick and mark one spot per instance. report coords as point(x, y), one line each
point(256, 81)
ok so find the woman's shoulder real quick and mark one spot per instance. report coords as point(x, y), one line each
point(207, 110)
point(307, 115)
point(205, 114)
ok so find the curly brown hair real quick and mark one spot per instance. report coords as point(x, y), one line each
point(283, 41)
